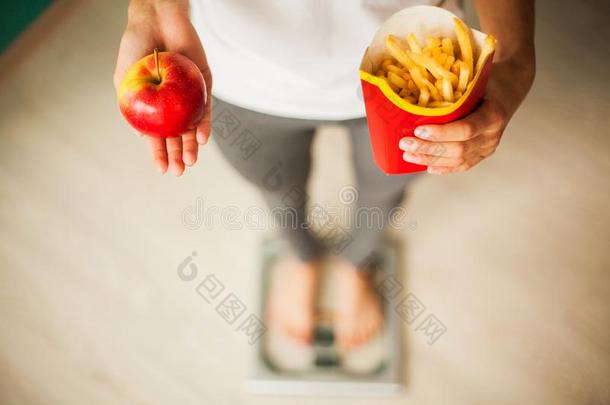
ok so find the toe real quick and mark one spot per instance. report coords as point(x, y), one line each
point(359, 336)
point(298, 333)
point(346, 338)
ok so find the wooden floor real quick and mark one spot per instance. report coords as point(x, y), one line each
point(512, 257)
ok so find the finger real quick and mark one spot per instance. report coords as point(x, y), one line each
point(447, 170)
point(429, 160)
point(190, 148)
point(158, 151)
point(485, 118)
point(174, 153)
point(455, 169)
point(460, 130)
point(447, 149)
point(204, 128)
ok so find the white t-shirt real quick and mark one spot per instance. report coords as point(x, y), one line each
point(292, 58)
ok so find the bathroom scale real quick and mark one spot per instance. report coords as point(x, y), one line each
point(280, 366)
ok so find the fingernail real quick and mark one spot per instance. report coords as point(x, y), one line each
point(421, 132)
point(201, 138)
point(177, 169)
point(405, 143)
point(189, 159)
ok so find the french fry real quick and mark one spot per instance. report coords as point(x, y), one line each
point(393, 68)
point(424, 97)
point(437, 104)
point(422, 83)
point(418, 78)
point(489, 45)
point(441, 59)
point(397, 52)
point(432, 42)
point(400, 72)
point(447, 45)
point(434, 93)
point(386, 62)
point(464, 77)
point(397, 80)
point(413, 87)
point(427, 74)
point(455, 68)
point(404, 93)
point(412, 41)
point(463, 35)
point(438, 74)
point(394, 87)
point(436, 53)
point(447, 90)
point(433, 66)
point(449, 63)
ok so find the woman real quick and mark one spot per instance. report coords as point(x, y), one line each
point(283, 68)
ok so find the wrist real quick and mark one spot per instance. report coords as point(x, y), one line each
point(144, 10)
point(510, 81)
point(520, 59)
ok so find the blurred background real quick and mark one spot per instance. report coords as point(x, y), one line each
point(513, 256)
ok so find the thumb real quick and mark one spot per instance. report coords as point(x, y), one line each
point(197, 54)
point(131, 49)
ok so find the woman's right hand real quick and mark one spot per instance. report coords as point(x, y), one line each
point(165, 24)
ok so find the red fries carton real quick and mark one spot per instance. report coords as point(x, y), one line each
point(389, 116)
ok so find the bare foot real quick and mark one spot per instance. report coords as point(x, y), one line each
point(358, 315)
point(291, 300)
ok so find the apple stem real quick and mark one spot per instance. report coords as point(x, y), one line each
point(157, 65)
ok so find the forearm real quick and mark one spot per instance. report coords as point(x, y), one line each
point(512, 23)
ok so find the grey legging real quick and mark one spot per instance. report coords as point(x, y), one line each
point(273, 153)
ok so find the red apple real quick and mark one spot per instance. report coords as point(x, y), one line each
point(163, 95)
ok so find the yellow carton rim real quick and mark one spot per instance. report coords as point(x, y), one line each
point(385, 88)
